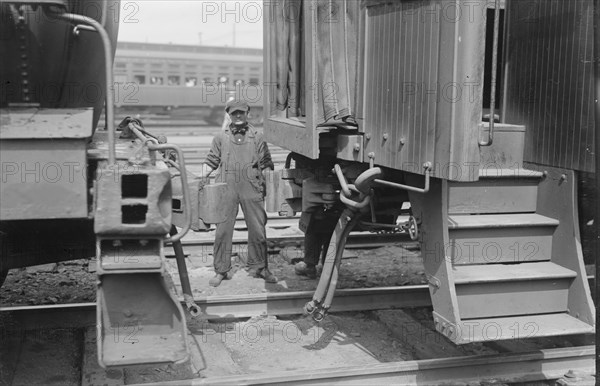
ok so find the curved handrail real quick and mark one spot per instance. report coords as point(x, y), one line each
point(109, 85)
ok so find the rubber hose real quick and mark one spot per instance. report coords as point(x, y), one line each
point(331, 257)
point(341, 244)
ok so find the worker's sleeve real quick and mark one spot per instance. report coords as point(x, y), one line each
point(213, 158)
point(264, 156)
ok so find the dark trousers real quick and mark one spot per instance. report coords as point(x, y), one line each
point(316, 243)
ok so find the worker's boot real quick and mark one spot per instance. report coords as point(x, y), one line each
point(263, 273)
point(218, 278)
point(303, 269)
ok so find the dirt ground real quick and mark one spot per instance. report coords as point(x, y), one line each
point(74, 281)
point(269, 343)
point(55, 283)
point(258, 344)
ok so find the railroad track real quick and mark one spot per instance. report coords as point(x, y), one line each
point(550, 364)
point(283, 232)
point(23, 324)
point(72, 358)
point(275, 242)
point(213, 308)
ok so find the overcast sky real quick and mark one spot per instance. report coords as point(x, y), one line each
point(192, 21)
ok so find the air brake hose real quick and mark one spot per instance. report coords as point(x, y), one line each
point(341, 244)
point(346, 222)
point(332, 256)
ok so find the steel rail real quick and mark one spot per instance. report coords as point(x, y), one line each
point(227, 306)
point(230, 306)
point(544, 364)
point(547, 364)
point(354, 240)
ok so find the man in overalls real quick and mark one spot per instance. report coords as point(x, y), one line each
point(241, 154)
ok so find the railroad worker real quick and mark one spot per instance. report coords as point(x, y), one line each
point(241, 154)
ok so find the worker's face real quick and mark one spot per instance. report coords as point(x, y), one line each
point(238, 117)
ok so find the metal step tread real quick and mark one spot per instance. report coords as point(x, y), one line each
point(487, 273)
point(499, 220)
point(520, 327)
point(509, 173)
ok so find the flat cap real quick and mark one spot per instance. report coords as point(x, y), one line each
point(236, 105)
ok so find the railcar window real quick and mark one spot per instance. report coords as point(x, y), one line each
point(120, 78)
point(173, 80)
point(157, 80)
point(139, 79)
point(191, 81)
point(253, 81)
point(207, 80)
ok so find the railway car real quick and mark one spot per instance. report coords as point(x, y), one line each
point(185, 80)
point(75, 187)
point(480, 114)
